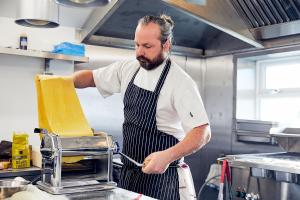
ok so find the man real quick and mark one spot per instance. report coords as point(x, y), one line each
point(159, 98)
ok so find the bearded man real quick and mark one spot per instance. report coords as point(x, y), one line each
point(164, 116)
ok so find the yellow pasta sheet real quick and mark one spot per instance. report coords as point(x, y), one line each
point(59, 109)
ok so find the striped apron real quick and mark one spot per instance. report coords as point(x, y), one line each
point(141, 138)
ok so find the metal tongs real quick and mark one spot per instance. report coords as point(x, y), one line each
point(141, 164)
point(131, 160)
point(117, 151)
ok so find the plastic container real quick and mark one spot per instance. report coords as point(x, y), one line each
point(20, 151)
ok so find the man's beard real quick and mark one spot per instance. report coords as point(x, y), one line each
point(148, 64)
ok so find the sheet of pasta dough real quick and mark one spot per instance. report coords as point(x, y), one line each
point(59, 109)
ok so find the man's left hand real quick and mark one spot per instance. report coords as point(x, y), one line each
point(156, 163)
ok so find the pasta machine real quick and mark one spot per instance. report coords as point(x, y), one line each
point(75, 164)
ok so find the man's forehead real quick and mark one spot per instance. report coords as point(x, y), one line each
point(150, 31)
point(150, 25)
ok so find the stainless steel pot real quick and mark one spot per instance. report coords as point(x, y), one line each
point(10, 187)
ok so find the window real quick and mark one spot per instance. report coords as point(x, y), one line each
point(269, 90)
point(282, 76)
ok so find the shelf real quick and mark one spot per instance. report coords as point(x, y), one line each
point(42, 54)
point(26, 172)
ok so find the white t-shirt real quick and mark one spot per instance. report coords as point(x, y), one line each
point(179, 107)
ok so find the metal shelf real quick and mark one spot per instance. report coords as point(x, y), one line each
point(42, 54)
point(27, 173)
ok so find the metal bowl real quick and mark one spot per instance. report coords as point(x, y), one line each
point(9, 187)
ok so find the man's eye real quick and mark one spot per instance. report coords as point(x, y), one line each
point(147, 47)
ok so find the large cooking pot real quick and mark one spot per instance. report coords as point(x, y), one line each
point(9, 187)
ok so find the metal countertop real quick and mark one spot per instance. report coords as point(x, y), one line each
point(281, 161)
point(115, 194)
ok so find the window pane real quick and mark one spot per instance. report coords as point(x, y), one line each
point(286, 110)
point(245, 78)
point(283, 76)
point(245, 109)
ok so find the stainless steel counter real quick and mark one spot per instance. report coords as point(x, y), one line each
point(285, 162)
point(112, 194)
point(273, 176)
point(115, 194)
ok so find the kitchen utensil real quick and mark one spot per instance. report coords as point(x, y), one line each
point(140, 164)
point(131, 160)
point(10, 187)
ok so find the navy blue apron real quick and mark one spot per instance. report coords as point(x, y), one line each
point(141, 138)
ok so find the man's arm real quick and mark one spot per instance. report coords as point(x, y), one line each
point(158, 162)
point(83, 79)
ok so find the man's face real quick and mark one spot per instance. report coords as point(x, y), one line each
point(148, 48)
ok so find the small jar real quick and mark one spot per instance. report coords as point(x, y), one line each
point(23, 41)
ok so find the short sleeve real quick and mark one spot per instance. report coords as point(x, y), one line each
point(189, 106)
point(108, 79)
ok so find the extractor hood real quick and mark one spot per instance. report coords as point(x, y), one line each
point(217, 27)
point(268, 19)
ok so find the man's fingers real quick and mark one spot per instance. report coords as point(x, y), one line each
point(146, 161)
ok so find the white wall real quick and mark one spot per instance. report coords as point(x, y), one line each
point(18, 105)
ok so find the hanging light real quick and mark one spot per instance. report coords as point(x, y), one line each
point(38, 13)
point(83, 3)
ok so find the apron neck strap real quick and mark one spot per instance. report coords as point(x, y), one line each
point(163, 76)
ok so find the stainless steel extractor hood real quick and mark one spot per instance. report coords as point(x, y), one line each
point(269, 19)
point(114, 25)
point(214, 28)
point(38, 13)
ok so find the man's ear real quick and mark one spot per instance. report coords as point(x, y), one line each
point(167, 46)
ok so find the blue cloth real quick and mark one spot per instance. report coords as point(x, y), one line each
point(68, 48)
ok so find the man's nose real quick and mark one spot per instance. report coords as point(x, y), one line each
point(140, 51)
